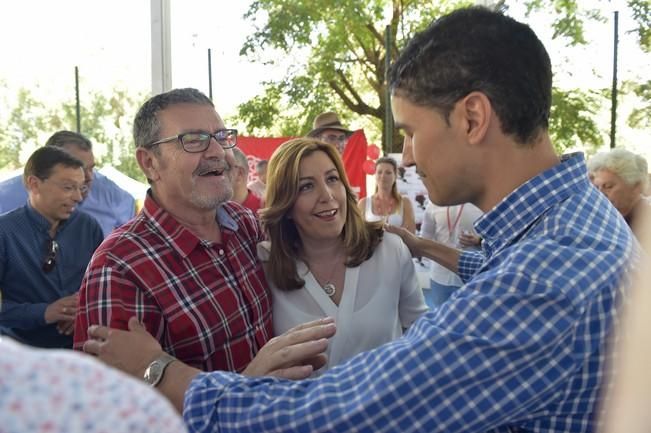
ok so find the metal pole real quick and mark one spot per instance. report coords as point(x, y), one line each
point(388, 117)
point(613, 109)
point(78, 106)
point(161, 46)
point(209, 75)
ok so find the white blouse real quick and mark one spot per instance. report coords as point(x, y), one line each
point(381, 297)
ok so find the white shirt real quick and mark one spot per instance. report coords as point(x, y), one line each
point(444, 224)
point(380, 298)
point(61, 391)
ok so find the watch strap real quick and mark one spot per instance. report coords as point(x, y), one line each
point(156, 370)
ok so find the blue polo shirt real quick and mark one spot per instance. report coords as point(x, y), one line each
point(26, 289)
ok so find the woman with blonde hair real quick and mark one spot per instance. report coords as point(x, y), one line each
point(323, 259)
point(387, 204)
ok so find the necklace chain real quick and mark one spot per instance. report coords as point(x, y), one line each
point(328, 287)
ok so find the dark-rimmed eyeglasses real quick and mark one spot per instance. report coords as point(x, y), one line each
point(51, 258)
point(195, 142)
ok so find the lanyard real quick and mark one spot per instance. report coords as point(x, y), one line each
point(453, 227)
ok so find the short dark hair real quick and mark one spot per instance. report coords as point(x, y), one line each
point(44, 159)
point(63, 138)
point(477, 49)
point(146, 126)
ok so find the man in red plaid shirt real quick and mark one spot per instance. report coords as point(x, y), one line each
point(186, 265)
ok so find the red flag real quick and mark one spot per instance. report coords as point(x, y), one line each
point(354, 155)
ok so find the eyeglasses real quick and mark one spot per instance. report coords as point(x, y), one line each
point(195, 142)
point(334, 139)
point(50, 260)
point(70, 188)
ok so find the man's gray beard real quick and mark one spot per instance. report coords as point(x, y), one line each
point(212, 202)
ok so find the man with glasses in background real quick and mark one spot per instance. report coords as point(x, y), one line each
point(186, 267)
point(327, 127)
point(45, 246)
point(102, 199)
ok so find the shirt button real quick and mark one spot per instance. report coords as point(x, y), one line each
point(221, 252)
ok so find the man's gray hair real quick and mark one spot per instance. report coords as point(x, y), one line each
point(146, 125)
point(632, 168)
point(241, 158)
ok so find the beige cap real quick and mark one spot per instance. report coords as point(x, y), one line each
point(327, 120)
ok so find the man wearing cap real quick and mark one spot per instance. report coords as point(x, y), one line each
point(327, 127)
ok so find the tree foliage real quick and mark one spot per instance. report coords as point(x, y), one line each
point(105, 119)
point(334, 56)
point(641, 11)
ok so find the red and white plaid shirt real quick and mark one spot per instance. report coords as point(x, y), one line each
point(208, 304)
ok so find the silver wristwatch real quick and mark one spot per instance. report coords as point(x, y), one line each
point(155, 371)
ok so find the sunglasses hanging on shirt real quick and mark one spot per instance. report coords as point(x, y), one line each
point(50, 260)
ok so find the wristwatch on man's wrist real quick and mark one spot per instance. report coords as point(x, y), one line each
point(155, 371)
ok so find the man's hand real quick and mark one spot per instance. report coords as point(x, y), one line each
point(130, 351)
point(63, 309)
point(296, 353)
point(467, 239)
point(434, 250)
point(413, 242)
point(65, 327)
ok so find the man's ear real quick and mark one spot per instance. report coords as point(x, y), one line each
point(148, 163)
point(478, 110)
point(32, 184)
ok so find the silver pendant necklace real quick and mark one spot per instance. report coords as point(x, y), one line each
point(328, 287)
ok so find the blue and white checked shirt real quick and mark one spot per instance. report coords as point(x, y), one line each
point(520, 347)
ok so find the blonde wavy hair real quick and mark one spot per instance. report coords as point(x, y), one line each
point(360, 238)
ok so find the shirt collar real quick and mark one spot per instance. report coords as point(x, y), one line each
point(42, 223)
point(177, 235)
point(517, 211)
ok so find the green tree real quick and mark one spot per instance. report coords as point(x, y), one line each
point(106, 120)
point(23, 127)
point(334, 55)
point(641, 116)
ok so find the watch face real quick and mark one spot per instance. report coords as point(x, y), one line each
point(153, 372)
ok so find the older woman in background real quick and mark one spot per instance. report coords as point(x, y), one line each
point(387, 204)
point(621, 176)
point(325, 260)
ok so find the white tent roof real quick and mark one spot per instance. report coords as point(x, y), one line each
point(137, 189)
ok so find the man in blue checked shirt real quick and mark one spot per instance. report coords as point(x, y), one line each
point(522, 346)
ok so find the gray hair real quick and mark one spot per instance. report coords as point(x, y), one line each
point(262, 163)
point(146, 125)
point(241, 158)
point(64, 138)
point(632, 168)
